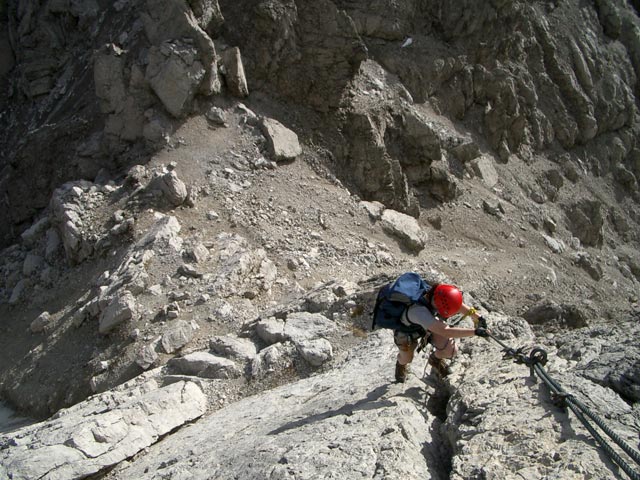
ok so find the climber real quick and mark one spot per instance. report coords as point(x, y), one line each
point(411, 307)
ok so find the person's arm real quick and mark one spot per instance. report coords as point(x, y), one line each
point(440, 328)
point(470, 312)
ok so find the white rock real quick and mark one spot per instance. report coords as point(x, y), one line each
point(206, 365)
point(120, 308)
point(177, 336)
point(233, 347)
point(40, 323)
point(405, 228)
point(283, 143)
point(316, 351)
point(271, 330)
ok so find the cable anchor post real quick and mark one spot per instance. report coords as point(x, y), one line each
point(537, 356)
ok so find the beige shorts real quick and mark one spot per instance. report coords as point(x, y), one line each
point(407, 342)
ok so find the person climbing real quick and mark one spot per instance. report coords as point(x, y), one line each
point(445, 301)
point(411, 307)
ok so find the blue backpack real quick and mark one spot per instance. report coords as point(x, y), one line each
point(395, 297)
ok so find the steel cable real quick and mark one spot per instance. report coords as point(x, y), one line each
point(536, 361)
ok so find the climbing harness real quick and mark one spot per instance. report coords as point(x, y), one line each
point(536, 360)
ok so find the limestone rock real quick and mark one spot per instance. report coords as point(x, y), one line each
point(52, 244)
point(271, 330)
point(589, 265)
point(147, 356)
point(283, 143)
point(556, 246)
point(234, 73)
point(379, 176)
point(32, 264)
point(109, 80)
point(208, 14)
point(173, 188)
point(585, 219)
point(174, 73)
point(206, 365)
point(547, 311)
point(240, 269)
point(405, 228)
point(217, 116)
point(121, 308)
point(483, 167)
point(316, 351)
point(301, 326)
point(167, 20)
point(612, 364)
point(100, 432)
point(320, 300)
point(40, 324)
point(177, 336)
point(163, 232)
point(391, 430)
point(374, 209)
point(274, 359)
point(231, 346)
point(68, 206)
point(466, 152)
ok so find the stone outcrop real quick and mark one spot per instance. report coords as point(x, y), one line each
point(119, 309)
point(309, 426)
point(259, 284)
point(174, 74)
point(585, 219)
point(234, 75)
point(404, 227)
point(170, 20)
point(101, 432)
point(283, 143)
point(203, 364)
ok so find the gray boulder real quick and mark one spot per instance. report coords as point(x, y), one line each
point(231, 346)
point(302, 326)
point(40, 323)
point(35, 231)
point(271, 330)
point(283, 143)
point(32, 264)
point(121, 308)
point(586, 222)
point(234, 73)
point(175, 73)
point(108, 77)
point(272, 360)
point(174, 189)
point(483, 167)
point(177, 335)
point(99, 433)
point(316, 351)
point(167, 20)
point(205, 365)
point(164, 232)
point(405, 228)
point(374, 209)
point(548, 311)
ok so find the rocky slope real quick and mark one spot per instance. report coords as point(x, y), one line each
point(202, 197)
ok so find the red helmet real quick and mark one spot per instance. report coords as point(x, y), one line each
point(447, 299)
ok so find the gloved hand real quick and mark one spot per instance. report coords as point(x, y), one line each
point(481, 332)
point(482, 322)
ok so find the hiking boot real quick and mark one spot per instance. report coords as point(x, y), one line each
point(401, 372)
point(439, 366)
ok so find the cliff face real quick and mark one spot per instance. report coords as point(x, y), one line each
point(201, 198)
point(520, 78)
